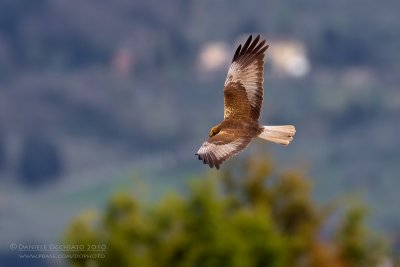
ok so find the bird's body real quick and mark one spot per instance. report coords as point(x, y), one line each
point(243, 96)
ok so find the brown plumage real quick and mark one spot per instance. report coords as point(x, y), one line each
point(243, 96)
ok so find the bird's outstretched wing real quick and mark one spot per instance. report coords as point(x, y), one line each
point(243, 88)
point(222, 147)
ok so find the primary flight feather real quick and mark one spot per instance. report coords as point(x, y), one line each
point(243, 96)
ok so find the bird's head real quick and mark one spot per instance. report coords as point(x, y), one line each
point(214, 130)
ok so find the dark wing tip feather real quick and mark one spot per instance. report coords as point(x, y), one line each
point(253, 44)
point(246, 46)
point(260, 46)
point(250, 48)
point(235, 57)
point(209, 159)
point(262, 50)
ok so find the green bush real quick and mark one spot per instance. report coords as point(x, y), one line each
point(249, 216)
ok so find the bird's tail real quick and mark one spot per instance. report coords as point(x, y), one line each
point(278, 134)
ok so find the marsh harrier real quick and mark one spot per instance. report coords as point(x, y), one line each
point(243, 96)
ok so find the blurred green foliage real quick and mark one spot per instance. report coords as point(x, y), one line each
point(250, 215)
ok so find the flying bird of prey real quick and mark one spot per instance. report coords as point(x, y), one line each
point(243, 96)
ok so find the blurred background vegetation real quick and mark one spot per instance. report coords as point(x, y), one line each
point(253, 216)
point(103, 97)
